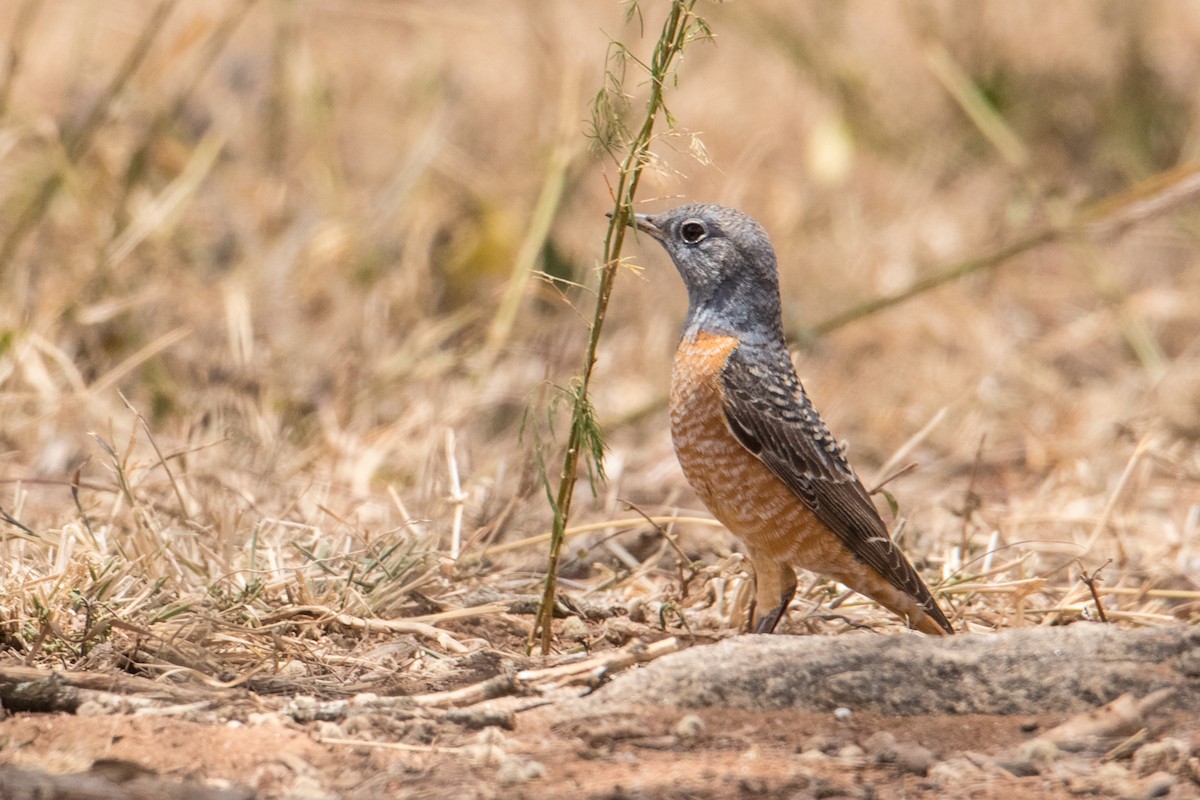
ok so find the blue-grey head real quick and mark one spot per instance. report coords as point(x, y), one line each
point(728, 265)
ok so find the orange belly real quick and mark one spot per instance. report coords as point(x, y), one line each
point(735, 485)
point(777, 528)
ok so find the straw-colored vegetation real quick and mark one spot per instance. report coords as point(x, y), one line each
point(290, 288)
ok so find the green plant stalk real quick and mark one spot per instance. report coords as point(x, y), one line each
point(671, 41)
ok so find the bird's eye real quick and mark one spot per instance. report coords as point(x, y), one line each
point(693, 231)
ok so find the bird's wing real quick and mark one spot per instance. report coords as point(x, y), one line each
point(769, 413)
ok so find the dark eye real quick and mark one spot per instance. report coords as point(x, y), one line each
point(693, 231)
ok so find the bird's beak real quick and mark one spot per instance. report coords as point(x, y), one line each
point(645, 224)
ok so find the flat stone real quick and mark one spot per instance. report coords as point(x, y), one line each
point(1015, 672)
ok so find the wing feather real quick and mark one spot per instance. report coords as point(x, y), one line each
point(769, 413)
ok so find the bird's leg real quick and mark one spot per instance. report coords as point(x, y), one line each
point(775, 587)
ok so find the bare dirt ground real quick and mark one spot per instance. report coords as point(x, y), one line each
point(705, 722)
point(734, 754)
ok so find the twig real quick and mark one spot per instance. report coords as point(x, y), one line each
point(971, 500)
point(1121, 717)
point(325, 614)
point(900, 473)
point(1090, 581)
point(975, 105)
point(578, 530)
point(135, 360)
point(911, 444)
point(28, 532)
point(457, 496)
point(591, 671)
point(1112, 215)
point(681, 557)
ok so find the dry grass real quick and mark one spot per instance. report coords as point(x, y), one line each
point(287, 250)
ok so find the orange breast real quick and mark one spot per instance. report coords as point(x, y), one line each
point(735, 485)
point(742, 492)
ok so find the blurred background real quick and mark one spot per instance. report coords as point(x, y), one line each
point(288, 287)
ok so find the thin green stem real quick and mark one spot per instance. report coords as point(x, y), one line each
point(584, 434)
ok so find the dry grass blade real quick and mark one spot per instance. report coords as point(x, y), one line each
point(77, 139)
point(578, 530)
point(976, 106)
point(16, 50)
point(525, 264)
point(155, 217)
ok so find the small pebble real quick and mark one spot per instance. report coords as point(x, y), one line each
point(1038, 752)
point(1167, 755)
point(842, 713)
point(914, 758)
point(954, 771)
point(330, 730)
point(882, 746)
point(820, 743)
point(812, 758)
point(92, 708)
point(263, 718)
point(292, 669)
point(1108, 779)
point(637, 610)
point(851, 752)
point(514, 770)
point(690, 727)
point(1159, 784)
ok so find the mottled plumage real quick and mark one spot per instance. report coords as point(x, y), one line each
point(750, 442)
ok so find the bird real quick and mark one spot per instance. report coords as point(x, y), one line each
point(749, 440)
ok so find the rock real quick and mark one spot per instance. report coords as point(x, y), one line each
point(514, 770)
point(689, 728)
point(94, 708)
point(1159, 784)
point(913, 758)
point(1109, 779)
point(813, 758)
point(263, 718)
point(882, 747)
point(1167, 755)
point(851, 752)
point(1038, 752)
point(330, 730)
point(1013, 672)
point(950, 773)
point(821, 743)
point(574, 629)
